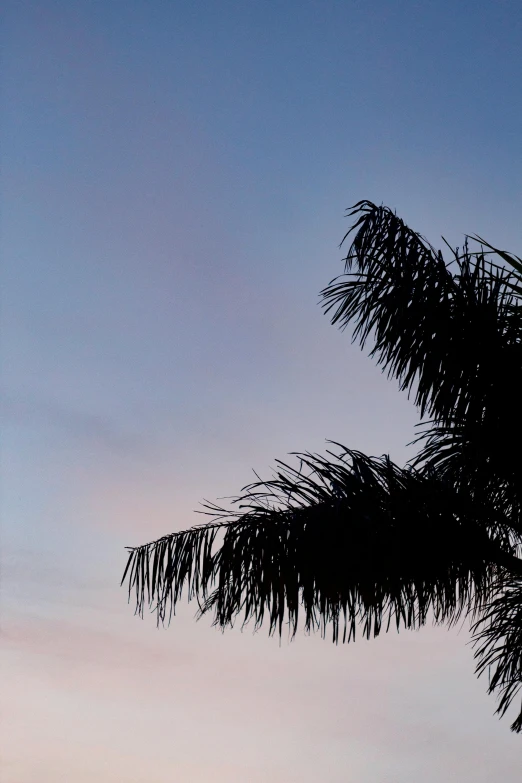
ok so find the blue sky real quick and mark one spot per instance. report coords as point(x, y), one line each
point(175, 178)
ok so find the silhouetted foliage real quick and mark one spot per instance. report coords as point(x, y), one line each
point(352, 542)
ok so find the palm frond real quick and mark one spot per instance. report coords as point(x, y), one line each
point(347, 541)
point(440, 332)
point(478, 461)
point(498, 642)
point(510, 258)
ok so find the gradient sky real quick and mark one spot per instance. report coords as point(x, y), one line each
point(175, 176)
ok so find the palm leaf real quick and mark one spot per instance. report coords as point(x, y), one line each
point(510, 258)
point(498, 642)
point(345, 541)
point(439, 332)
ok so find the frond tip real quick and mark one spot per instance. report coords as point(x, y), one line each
point(498, 641)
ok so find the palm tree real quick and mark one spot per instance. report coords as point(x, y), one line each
point(349, 543)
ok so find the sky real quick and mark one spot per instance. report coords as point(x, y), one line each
point(175, 177)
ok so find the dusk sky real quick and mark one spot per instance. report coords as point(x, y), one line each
point(175, 177)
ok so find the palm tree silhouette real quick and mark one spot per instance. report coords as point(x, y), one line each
point(348, 542)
